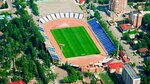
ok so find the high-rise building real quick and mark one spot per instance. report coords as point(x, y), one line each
point(118, 6)
point(129, 75)
point(136, 18)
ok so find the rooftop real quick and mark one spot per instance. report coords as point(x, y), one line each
point(141, 50)
point(122, 53)
point(115, 65)
point(131, 71)
point(125, 26)
point(1, 3)
point(17, 82)
point(81, 1)
point(136, 12)
point(126, 60)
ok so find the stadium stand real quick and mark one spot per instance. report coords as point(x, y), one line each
point(55, 16)
point(80, 16)
point(62, 15)
point(49, 17)
point(101, 35)
point(46, 20)
point(42, 20)
point(76, 15)
point(48, 45)
point(67, 15)
point(71, 15)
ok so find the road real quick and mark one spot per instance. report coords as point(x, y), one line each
point(10, 7)
point(134, 59)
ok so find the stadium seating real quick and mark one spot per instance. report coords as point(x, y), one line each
point(55, 16)
point(49, 17)
point(101, 35)
point(62, 15)
point(42, 20)
point(45, 19)
point(48, 45)
point(67, 15)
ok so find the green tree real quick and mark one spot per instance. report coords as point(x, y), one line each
point(97, 15)
point(146, 21)
point(4, 80)
point(87, 1)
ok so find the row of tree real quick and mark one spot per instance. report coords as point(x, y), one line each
point(146, 38)
point(21, 37)
point(74, 75)
point(98, 1)
point(34, 7)
point(23, 4)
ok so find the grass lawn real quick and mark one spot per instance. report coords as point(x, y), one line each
point(106, 78)
point(74, 41)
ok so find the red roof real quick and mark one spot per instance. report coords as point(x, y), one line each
point(122, 53)
point(81, 1)
point(125, 26)
point(17, 82)
point(141, 50)
point(115, 65)
point(1, 3)
point(126, 60)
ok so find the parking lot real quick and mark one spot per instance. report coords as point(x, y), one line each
point(53, 6)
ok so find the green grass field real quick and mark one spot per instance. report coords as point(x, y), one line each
point(106, 78)
point(74, 41)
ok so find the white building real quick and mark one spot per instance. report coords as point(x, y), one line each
point(129, 75)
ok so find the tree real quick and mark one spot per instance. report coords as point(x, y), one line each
point(146, 21)
point(97, 15)
point(92, 7)
point(87, 1)
point(74, 75)
point(15, 78)
point(88, 74)
point(34, 7)
point(4, 80)
point(93, 81)
point(103, 1)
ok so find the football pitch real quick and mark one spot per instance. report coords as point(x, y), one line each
point(74, 41)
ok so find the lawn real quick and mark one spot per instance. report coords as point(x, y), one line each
point(74, 41)
point(106, 78)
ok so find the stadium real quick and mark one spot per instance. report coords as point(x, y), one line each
point(69, 38)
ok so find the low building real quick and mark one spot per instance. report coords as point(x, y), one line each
point(129, 75)
point(126, 60)
point(1, 3)
point(115, 67)
point(125, 27)
point(17, 82)
point(122, 53)
point(142, 50)
point(123, 56)
point(80, 1)
point(92, 69)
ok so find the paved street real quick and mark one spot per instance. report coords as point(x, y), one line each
point(118, 35)
point(136, 59)
point(10, 7)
